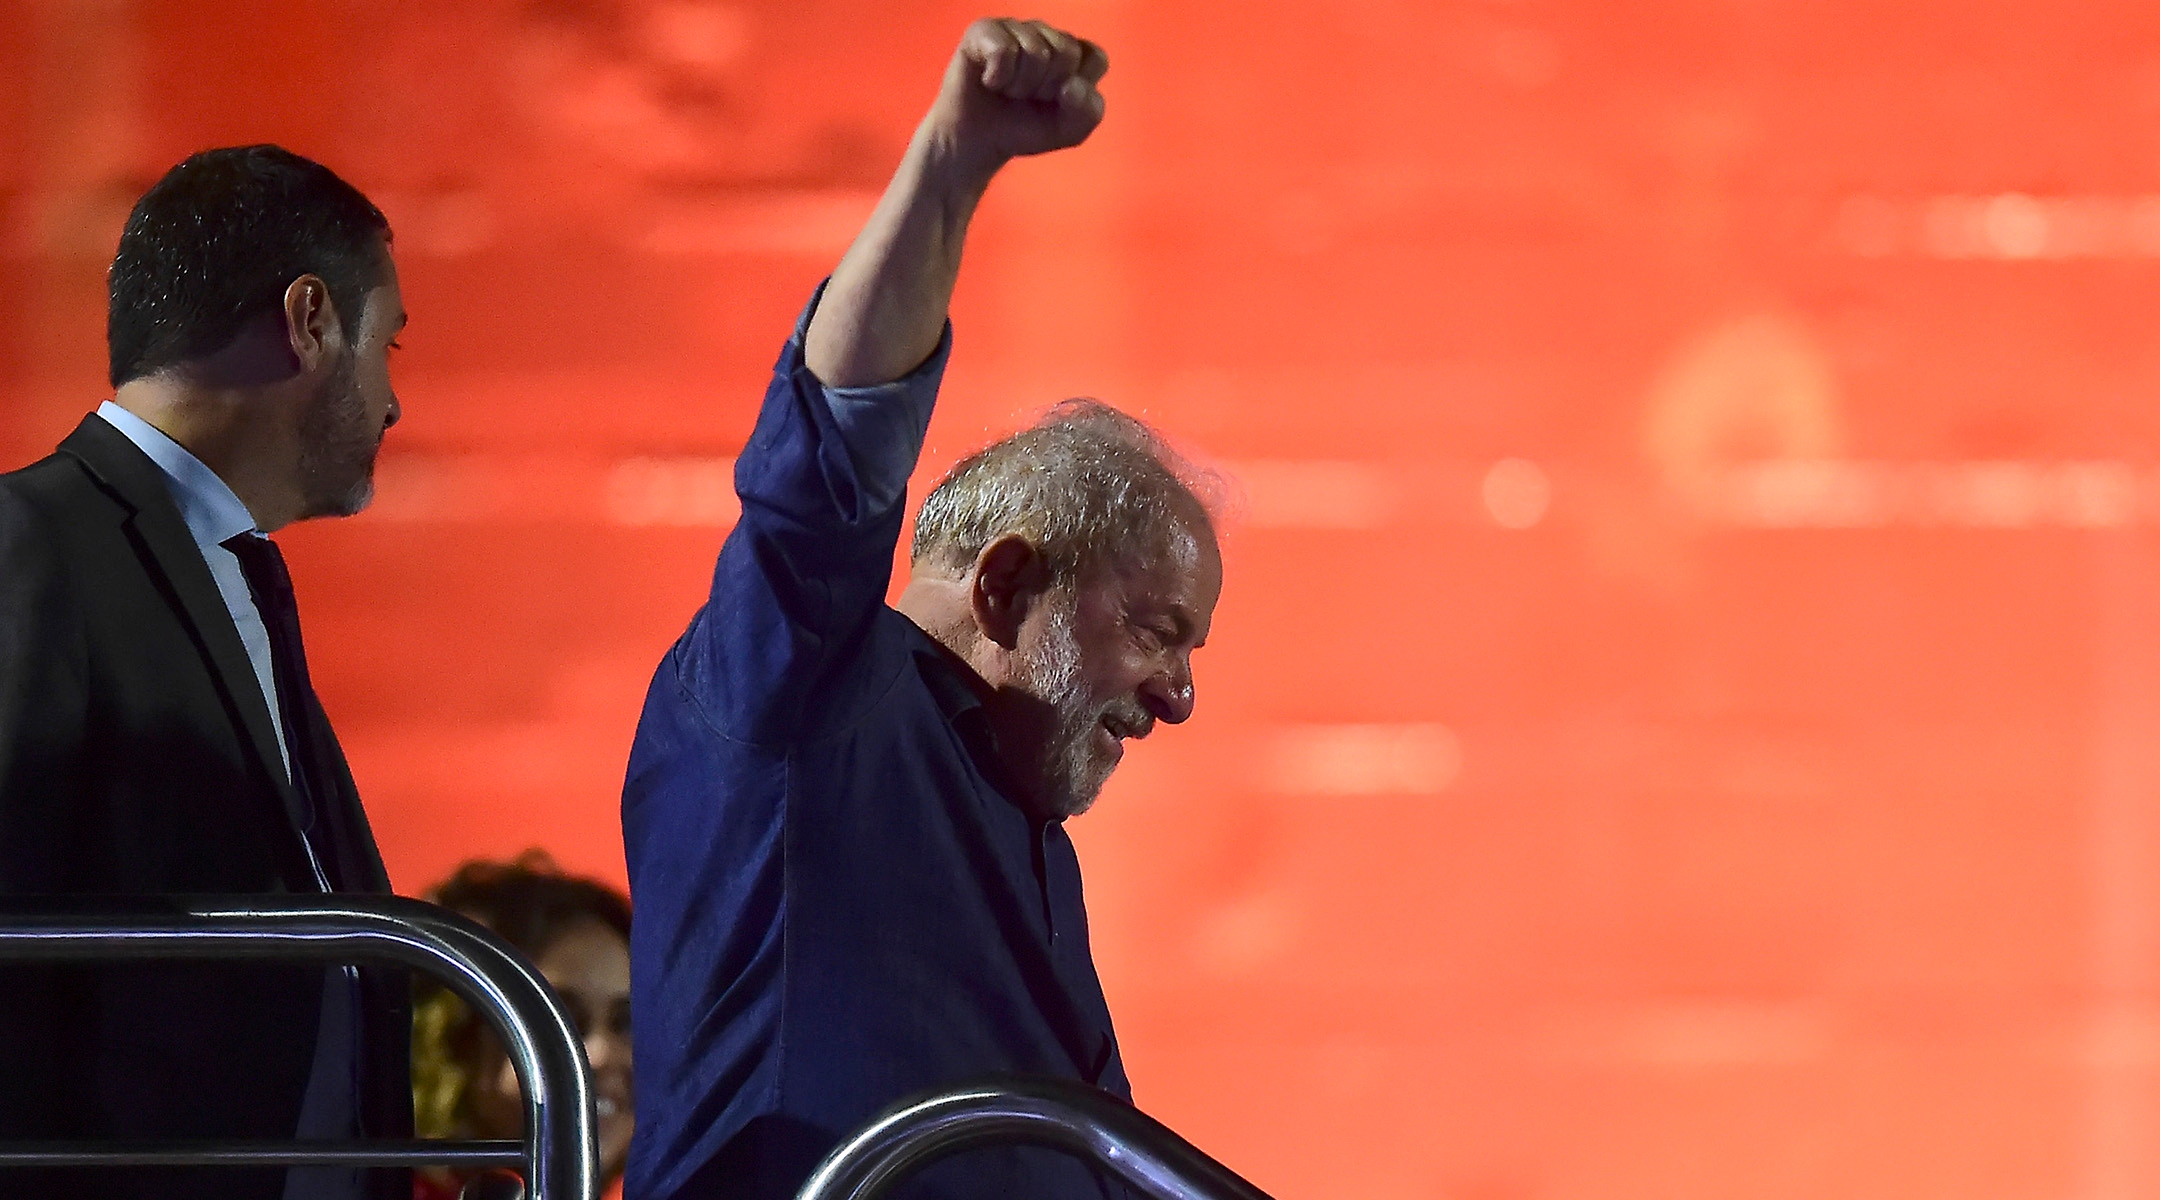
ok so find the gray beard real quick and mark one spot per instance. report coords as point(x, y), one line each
point(1073, 777)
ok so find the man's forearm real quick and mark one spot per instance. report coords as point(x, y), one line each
point(1013, 88)
point(886, 306)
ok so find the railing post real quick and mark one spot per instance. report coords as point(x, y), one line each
point(561, 1146)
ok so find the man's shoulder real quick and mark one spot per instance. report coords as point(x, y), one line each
point(95, 466)
point(39, 502)
point(56, 477)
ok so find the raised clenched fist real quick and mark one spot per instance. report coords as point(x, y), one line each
point(1019, 87)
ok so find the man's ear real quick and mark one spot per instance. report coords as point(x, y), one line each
point(312, 330)
point(1008, 576)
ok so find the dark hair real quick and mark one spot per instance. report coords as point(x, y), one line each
point(529, 902)
point(216, 243)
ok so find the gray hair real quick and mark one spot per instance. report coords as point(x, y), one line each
point(1086, 485)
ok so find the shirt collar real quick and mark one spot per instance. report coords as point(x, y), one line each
point(946, 675)
point(212, 512)
point(952, 684)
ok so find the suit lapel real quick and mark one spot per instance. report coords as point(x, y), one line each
point(130, 475)
point(359, 858)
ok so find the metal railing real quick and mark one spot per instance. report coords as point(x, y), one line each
point(559, 1156)
point(1072, 1117)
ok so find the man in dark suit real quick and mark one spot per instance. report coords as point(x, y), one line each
point(158, 734)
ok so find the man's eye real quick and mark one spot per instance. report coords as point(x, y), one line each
point(394, 344)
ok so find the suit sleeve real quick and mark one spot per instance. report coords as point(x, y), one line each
point(43, 699)
point(779, 653)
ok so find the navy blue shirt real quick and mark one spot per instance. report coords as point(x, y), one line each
point(837, 902)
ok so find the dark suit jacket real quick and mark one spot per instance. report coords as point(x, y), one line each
point(137, 757)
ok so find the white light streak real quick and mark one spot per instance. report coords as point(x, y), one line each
point(1364, 760)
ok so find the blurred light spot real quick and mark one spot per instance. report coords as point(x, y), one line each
point(1798, 493)
point(2097, 495)
point(2086, 226)
point(1751, 388)
point(1948, 229)
point(2003, 494)
point(1517, 493)
point(1365, 760)
point(2141, 233)
point(2016, 226)
point(2010, 227)
point(673, 491)
point(1314, 494)
point(1806, 493)
point(411, 488)
point(469, 488)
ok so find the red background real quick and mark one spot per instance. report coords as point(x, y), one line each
point(1755, 794)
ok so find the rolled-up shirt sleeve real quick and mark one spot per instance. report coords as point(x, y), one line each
point(823, 483)
point(882, 427)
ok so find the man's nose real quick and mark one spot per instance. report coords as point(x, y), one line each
point(391, 417)
point(1169, 694)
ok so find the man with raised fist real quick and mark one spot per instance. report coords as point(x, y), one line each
point(843, 820)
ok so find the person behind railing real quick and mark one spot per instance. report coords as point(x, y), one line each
point(158, 731)
point(844, 820)
point(577, 932)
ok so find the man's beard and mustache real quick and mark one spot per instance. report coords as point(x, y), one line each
point(337, 447)
point(1074, 768)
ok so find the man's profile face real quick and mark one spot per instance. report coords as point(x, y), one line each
point(1111, 656)
point(342, 426)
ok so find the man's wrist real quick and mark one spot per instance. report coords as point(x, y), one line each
point(953, 165)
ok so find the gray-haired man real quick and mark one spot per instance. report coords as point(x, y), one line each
point(843, 820)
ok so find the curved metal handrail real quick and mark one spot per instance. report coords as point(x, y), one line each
point(1073, 1117)
point(560, 1152)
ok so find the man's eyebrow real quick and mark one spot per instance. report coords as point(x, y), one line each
point(403, 319)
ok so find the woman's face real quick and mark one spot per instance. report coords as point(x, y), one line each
point(589, 967)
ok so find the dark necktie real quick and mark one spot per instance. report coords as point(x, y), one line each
point(336, 1093)
point(271, 587)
